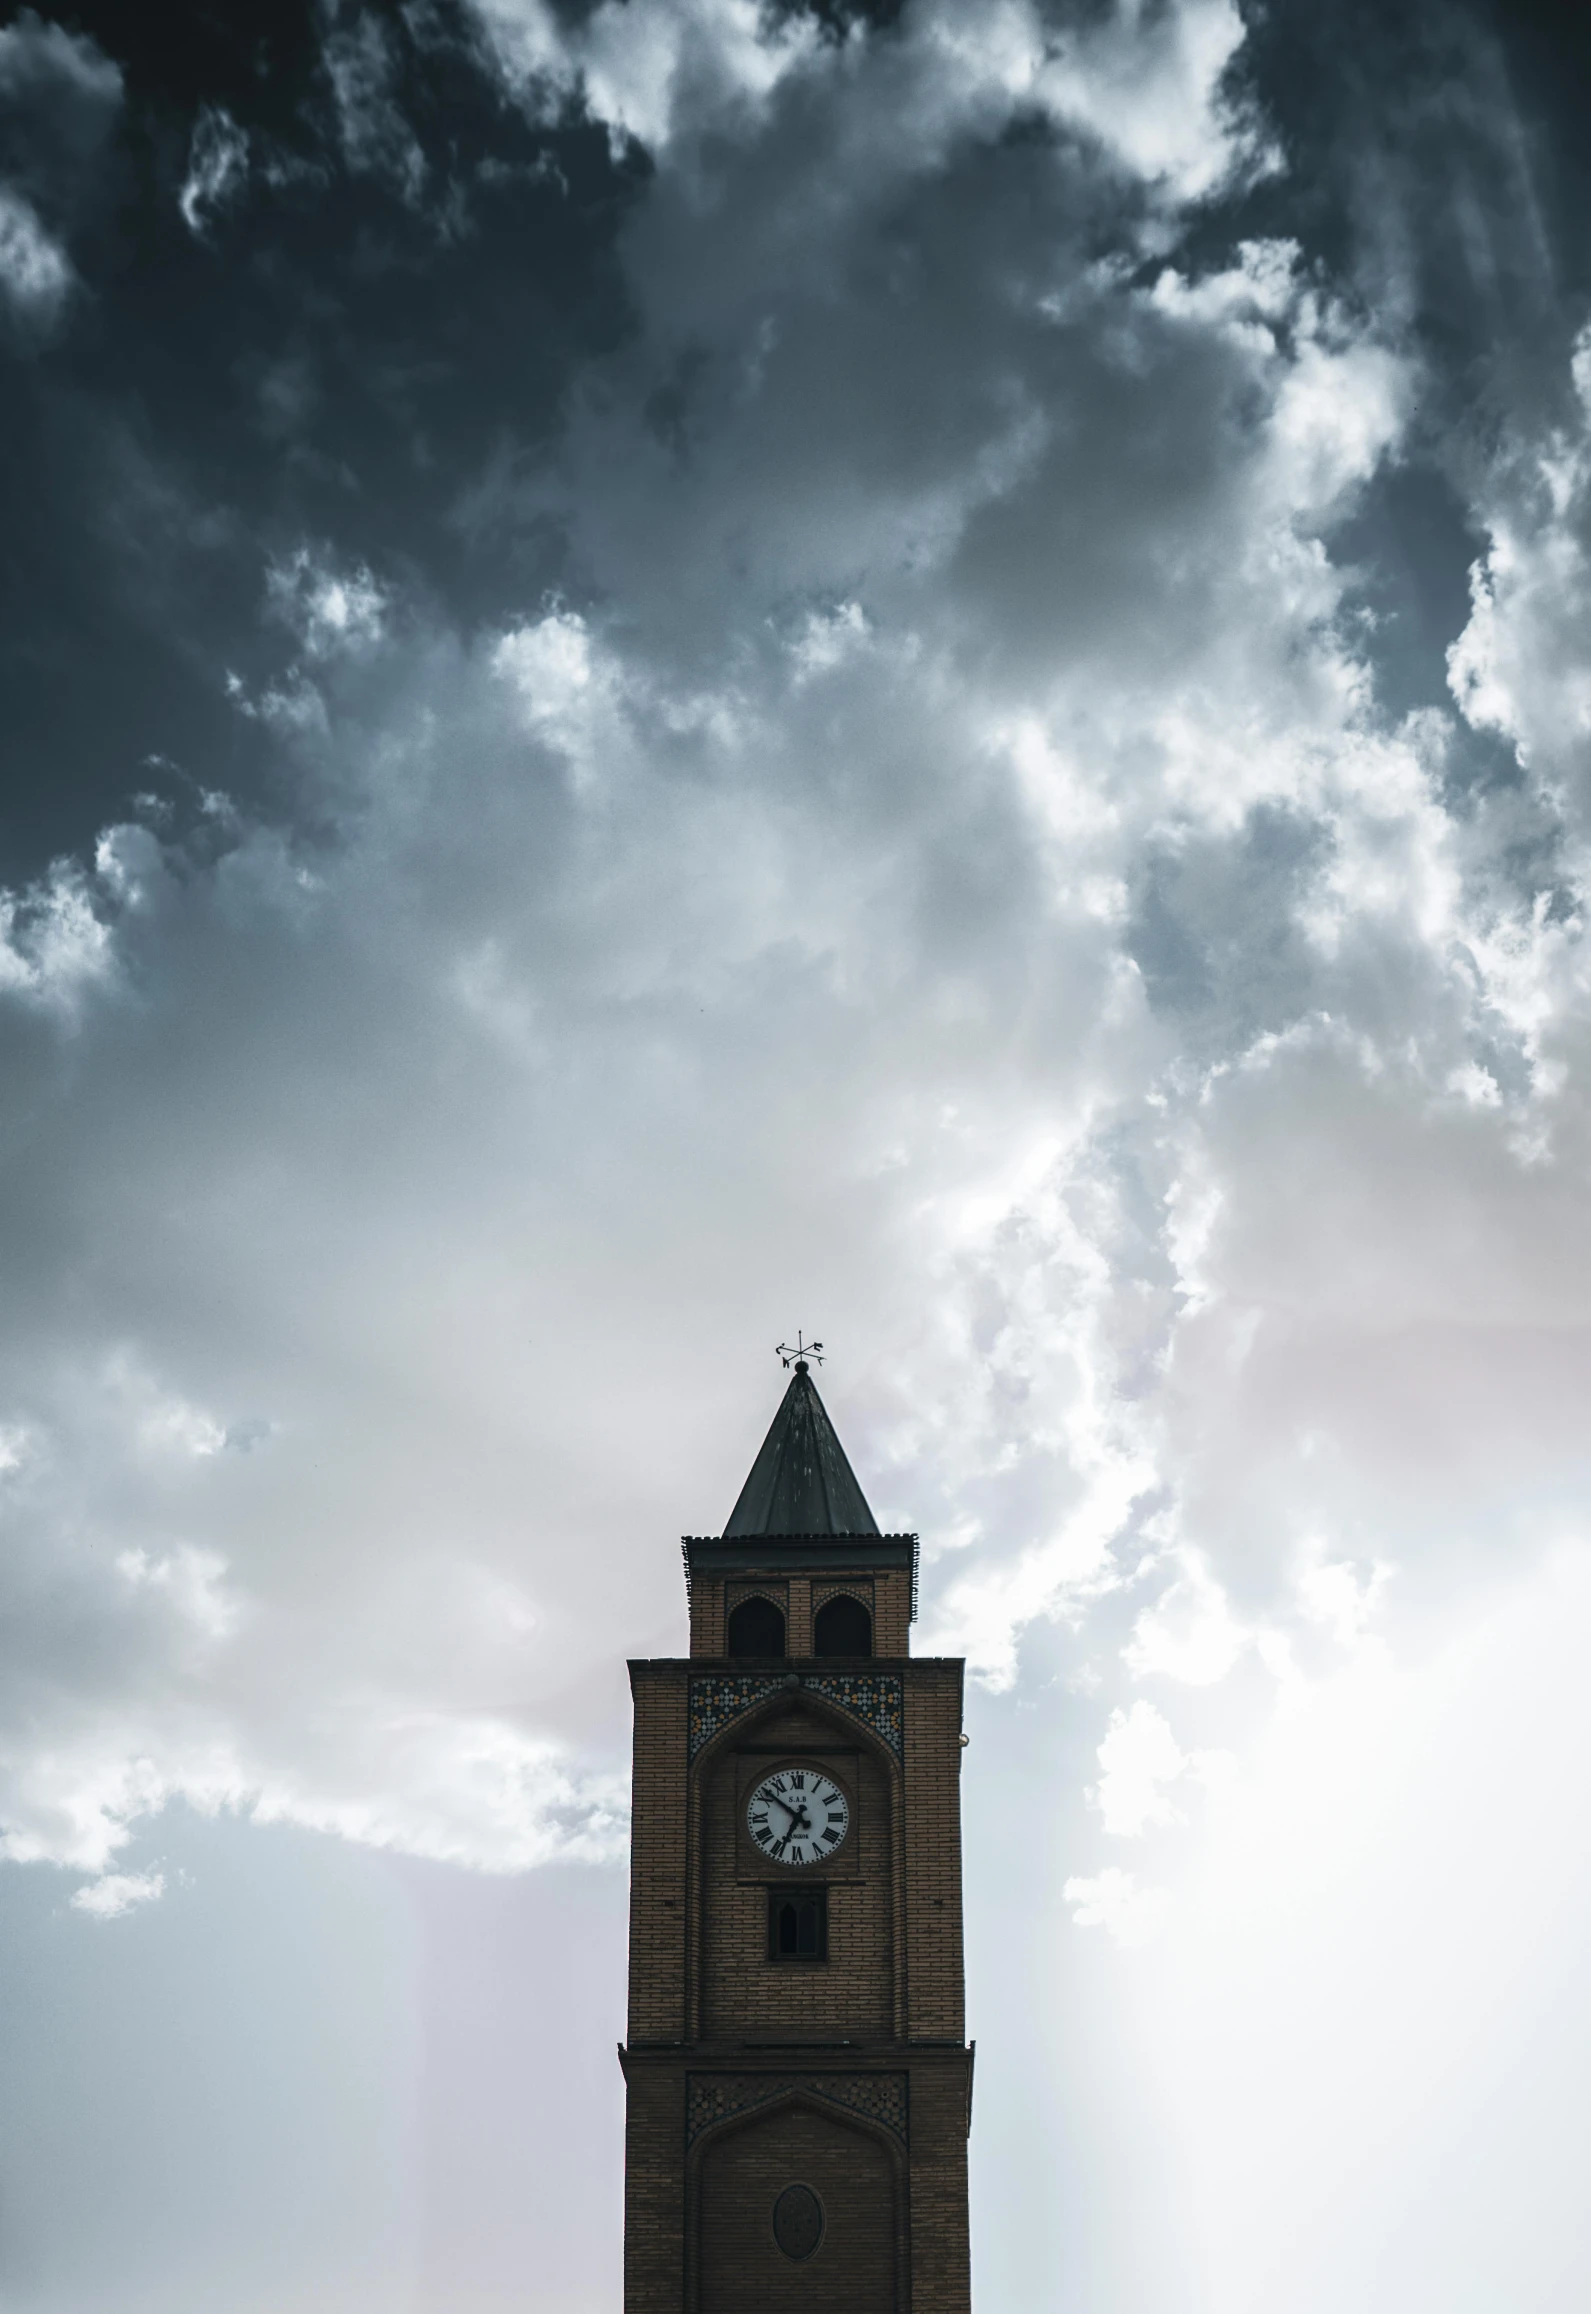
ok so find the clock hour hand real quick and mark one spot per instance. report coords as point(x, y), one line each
point(790, 1830)
point(800, 1821)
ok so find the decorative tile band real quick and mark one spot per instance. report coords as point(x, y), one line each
point(717, 1697)
point(875, 1697)
point(711, 2097)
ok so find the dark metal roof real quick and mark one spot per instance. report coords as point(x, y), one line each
point(801, 1483)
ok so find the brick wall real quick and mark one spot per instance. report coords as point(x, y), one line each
point(848, 1997)
point(888, 1592)
point(936, 2001)
point(708, 1924)
point(741, 2270)
point(708, 1614)
point(658, 1883)
point(654, 2190)
point(940, 2264)
point(892, 1613)
point(698, 2228)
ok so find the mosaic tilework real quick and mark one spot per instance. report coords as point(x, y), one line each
point(720, 1696)
point(871, 1695)
point(717, 1697)
point(711, 2097)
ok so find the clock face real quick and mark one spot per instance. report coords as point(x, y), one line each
point(798, 1815)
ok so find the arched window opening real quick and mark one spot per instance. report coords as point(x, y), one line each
point(842, 1626)
point(756, 1627)
point(798, 1925)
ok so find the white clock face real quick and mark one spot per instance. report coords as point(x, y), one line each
point(798, 1815)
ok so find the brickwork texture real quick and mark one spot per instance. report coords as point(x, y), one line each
point(748, 2075)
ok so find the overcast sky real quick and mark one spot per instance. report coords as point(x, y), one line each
point(673, 669)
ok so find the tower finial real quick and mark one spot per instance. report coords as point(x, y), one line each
point(800, 1354)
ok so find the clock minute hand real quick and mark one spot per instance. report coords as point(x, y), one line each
point(795, 1825)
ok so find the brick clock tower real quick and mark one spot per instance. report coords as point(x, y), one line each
point(799, 2087)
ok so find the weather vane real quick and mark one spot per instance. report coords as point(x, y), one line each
point(801, 1352)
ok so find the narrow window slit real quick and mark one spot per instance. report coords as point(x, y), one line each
point(798, 1926)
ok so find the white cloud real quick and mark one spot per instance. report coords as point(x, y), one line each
point(115, 1893)
point(65, 91)
point(469, 1790)
point(1113, 1900)
point(1149, 84)
point(74, 1801)
point(640, 68)
point(333, 612)
point(1145, 87)
point(55, 942)
point(1190, 1633)
point(218, 160)
point(35, 272)
point(191, 1580)
point(1138, 1755)
point(1520, 666)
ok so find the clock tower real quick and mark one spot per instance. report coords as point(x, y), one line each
point(798, 2082)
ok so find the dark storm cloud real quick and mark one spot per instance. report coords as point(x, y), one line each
point(59, 96)
point(324, 276)
point(340, 278)
point(1434, 162)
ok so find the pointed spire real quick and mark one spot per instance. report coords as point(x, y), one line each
point(801, 1483)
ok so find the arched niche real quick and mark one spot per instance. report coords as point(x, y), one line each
point(843, 1625)
point(856, 2171)
point(756, 1630)
point(853, 1993)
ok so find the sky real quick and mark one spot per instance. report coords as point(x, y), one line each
point(673, 669)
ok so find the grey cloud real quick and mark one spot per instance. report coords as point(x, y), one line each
point(1216, 927)
point(375, 134)
point(35, 271)
point(217, 167)
point(58, 96)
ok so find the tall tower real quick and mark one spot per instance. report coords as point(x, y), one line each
point(798, 2084)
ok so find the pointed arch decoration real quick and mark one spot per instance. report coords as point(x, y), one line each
point(875, 1698)
point(877, 2097)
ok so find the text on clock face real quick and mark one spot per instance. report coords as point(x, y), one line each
point(798, 1816)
